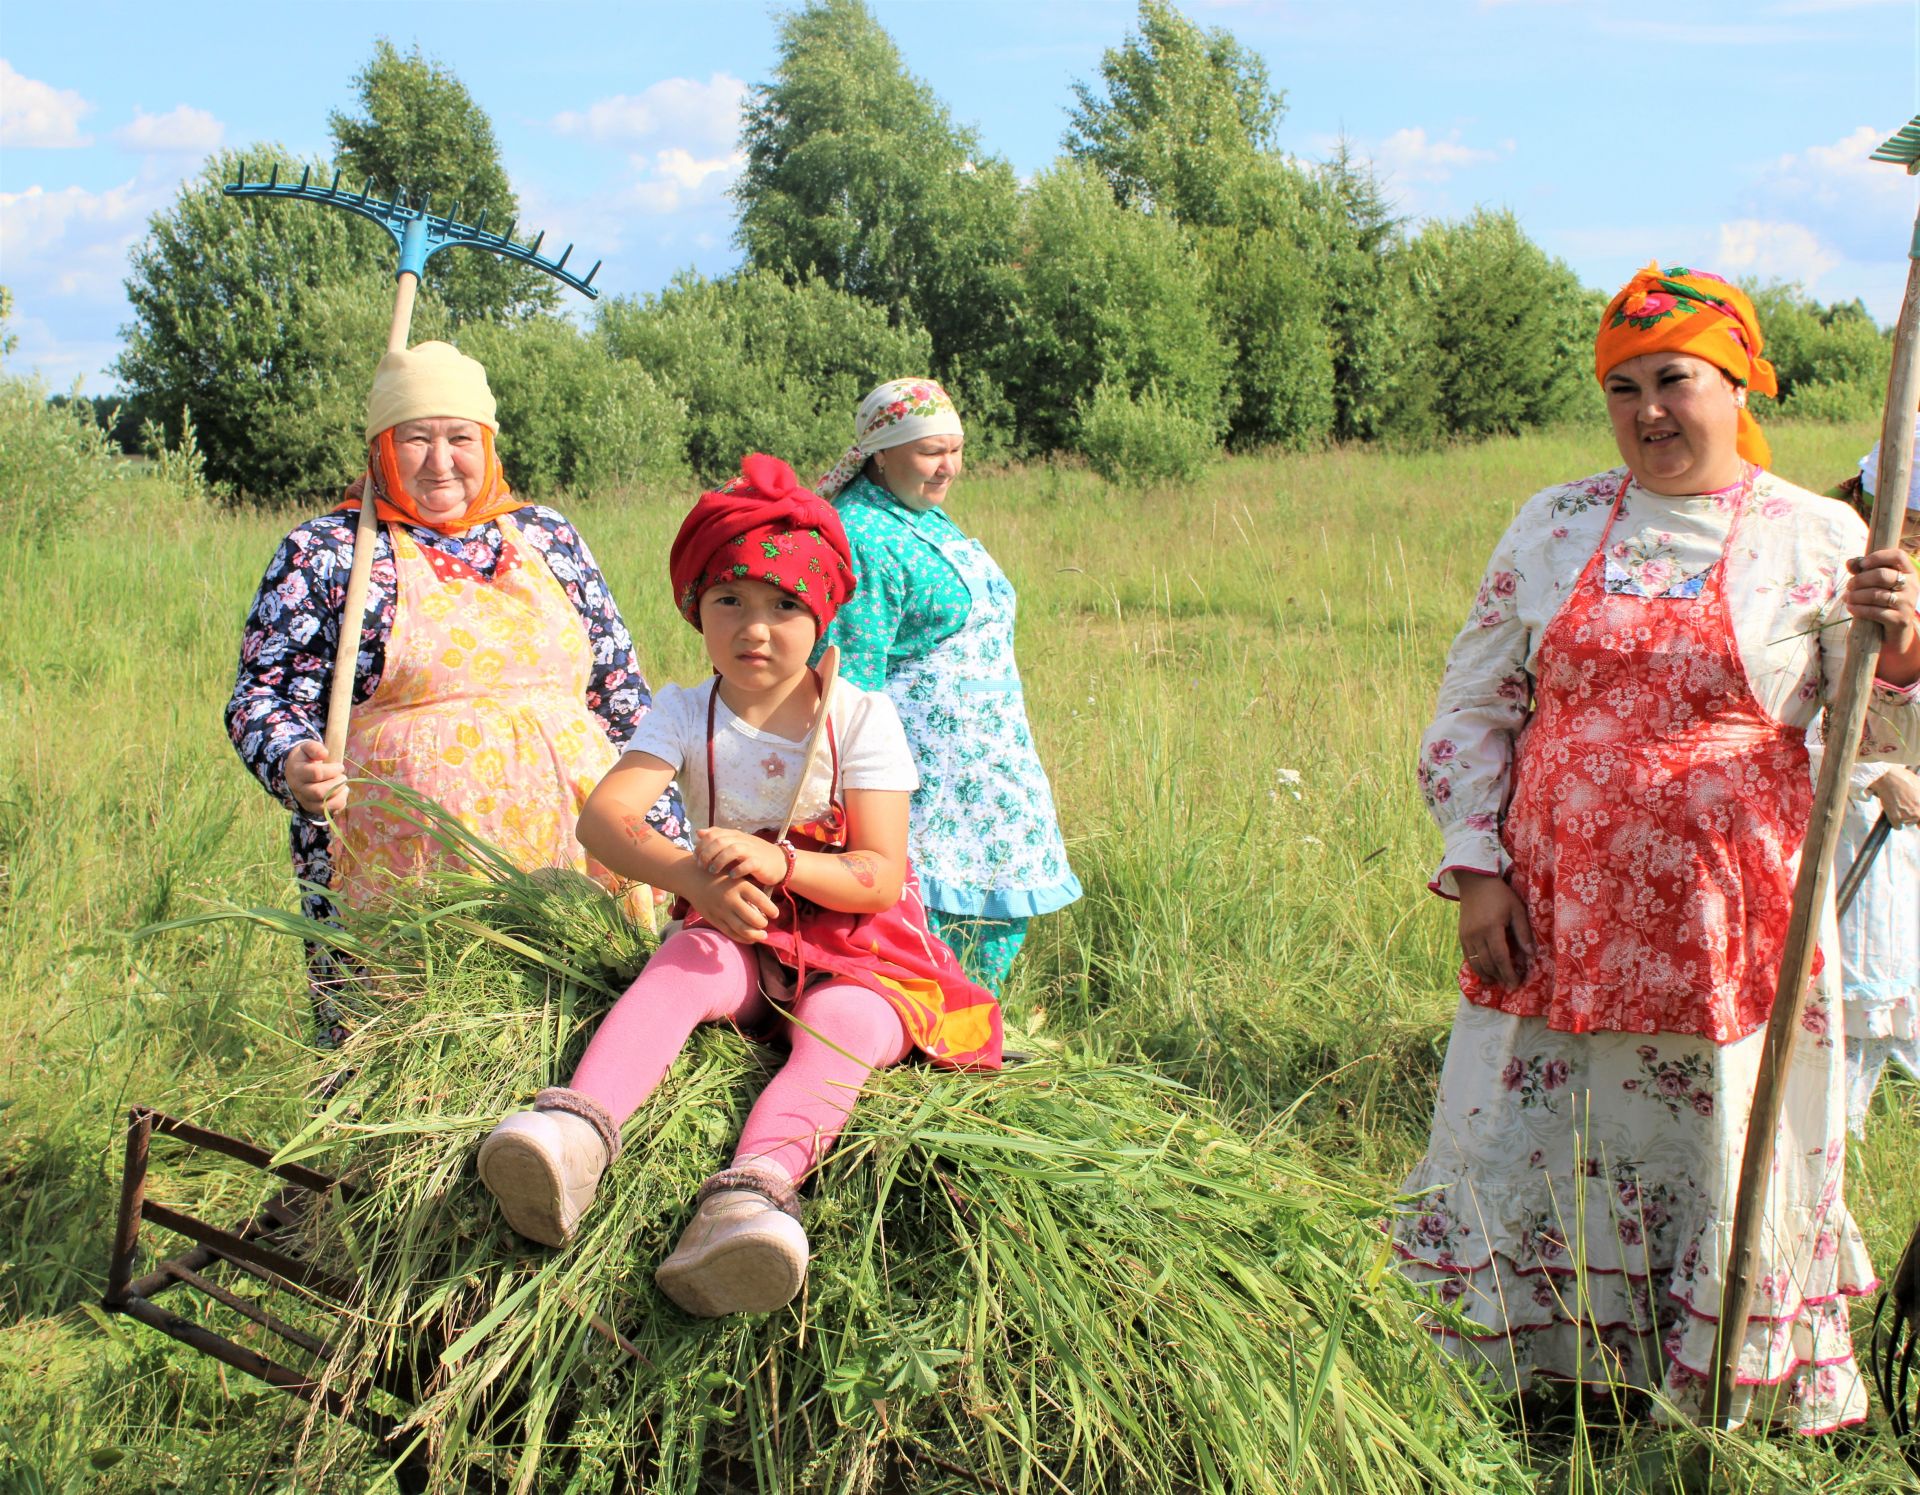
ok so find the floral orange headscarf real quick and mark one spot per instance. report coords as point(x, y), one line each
point(1678, 310)
point(393, 503)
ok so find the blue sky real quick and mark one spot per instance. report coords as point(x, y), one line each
point(1730, 135)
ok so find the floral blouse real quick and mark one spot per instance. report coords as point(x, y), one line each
point(287, 648)
point(1786, 571)
point(908, 598)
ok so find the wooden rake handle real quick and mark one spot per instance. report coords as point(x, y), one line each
point(346, 656)
point(1845, 721)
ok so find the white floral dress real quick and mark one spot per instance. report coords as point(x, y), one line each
point(1577, 1189)
point(1879, 947)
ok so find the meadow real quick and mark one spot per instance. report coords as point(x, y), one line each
point(1227, 684)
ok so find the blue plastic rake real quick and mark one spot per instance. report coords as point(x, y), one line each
point(419, 234)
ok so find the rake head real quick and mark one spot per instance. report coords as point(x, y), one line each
point(1902, 147)
point(417, 231)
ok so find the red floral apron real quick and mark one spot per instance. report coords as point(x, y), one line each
point(1657, 813)
point(949, 1018)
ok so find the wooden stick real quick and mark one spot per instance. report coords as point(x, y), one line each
point(826, 672)
point(1845, 720)
point(346, 655)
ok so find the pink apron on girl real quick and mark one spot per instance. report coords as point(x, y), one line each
point(1656, 817)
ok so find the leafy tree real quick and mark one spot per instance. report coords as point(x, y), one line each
point(573, 418)
point(1107, 296)
point(1180, 113)
point(263, 321)
point(762, 365)
point(419, 129)
point(1503, 334)
point(1365, 300)
point(1838, 350)
point(856, 174)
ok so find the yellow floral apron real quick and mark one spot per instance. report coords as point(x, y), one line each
point(482, 708)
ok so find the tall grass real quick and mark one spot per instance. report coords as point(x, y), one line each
point(1226, 685)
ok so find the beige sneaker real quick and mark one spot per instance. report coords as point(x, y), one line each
point(743, 1251)
point(544, 1167)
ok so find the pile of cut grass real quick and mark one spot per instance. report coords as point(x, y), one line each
point(1072, 1275)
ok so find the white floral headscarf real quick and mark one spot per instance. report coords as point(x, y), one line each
point(899, 411)
point(1870, 474)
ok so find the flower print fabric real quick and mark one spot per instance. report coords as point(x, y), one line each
point(1782, 583)
point(910, 598)
point(292, 630)
point(1656, 819)
point(1576, 1194)
point(984, 835)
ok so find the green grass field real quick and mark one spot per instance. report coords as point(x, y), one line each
point(1227, 685)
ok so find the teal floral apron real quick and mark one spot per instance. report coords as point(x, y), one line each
point(983, 833)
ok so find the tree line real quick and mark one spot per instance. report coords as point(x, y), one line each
point(1175, 283)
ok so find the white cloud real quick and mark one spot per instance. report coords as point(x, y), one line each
point(182, 128)
point(684, 110)
point(1409, 155)
point(33, 113)
point(675, 180)
point(72, 242)
point(1863, 207)
point(1752, 249)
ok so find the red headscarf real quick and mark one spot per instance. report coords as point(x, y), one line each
point(763, 526)
point(1678, 310)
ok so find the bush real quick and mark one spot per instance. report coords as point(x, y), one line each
point(1107, 296)
point(1833, 400)
point(54, 460)
point(1808, 344)
point(1138, 440)
point(1506, 331)
point(764, 366)
point(572, 416)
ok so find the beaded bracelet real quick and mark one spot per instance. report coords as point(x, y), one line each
point(787, 847)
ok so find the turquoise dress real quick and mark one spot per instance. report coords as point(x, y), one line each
point(931, 624)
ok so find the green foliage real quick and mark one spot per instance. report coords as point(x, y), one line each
point(180, 468)
point(856, 173)
point(420, 130)
point(761, 365)
point(1182, 111)
point(1831, 361)
point(573, 416)
point(54, 458)
point(1107, 296)
point(1504, 334)
point(1141, 440)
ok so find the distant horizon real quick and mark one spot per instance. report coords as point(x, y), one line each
point(1735, 140)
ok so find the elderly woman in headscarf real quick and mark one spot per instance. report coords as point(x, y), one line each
point(932, 626)
point(1879, 934)
point(1618, 766)
point(494, 675)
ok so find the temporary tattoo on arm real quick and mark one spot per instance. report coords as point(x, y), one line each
point(636, 828)
point(861, 866)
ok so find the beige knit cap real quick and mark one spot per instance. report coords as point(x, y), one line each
point(426, 380)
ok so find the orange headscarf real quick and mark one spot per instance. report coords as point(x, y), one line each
point(1690, 311)
point(393, 503)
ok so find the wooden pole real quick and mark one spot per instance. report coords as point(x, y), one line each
point(346, 655)
point(1845, 719)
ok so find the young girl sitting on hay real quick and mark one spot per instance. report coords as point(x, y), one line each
point(819, 932)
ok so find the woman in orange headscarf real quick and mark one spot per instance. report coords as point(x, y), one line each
point(495, 675)
point(1618, 766)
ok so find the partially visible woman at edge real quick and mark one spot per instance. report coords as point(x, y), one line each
point(494, 675)
point(1618, 764)
point(1879, 936)
point(932, 626)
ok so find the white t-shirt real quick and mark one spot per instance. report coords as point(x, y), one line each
point(756, 769)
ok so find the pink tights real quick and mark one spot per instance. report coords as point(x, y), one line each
point(841, 1033)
